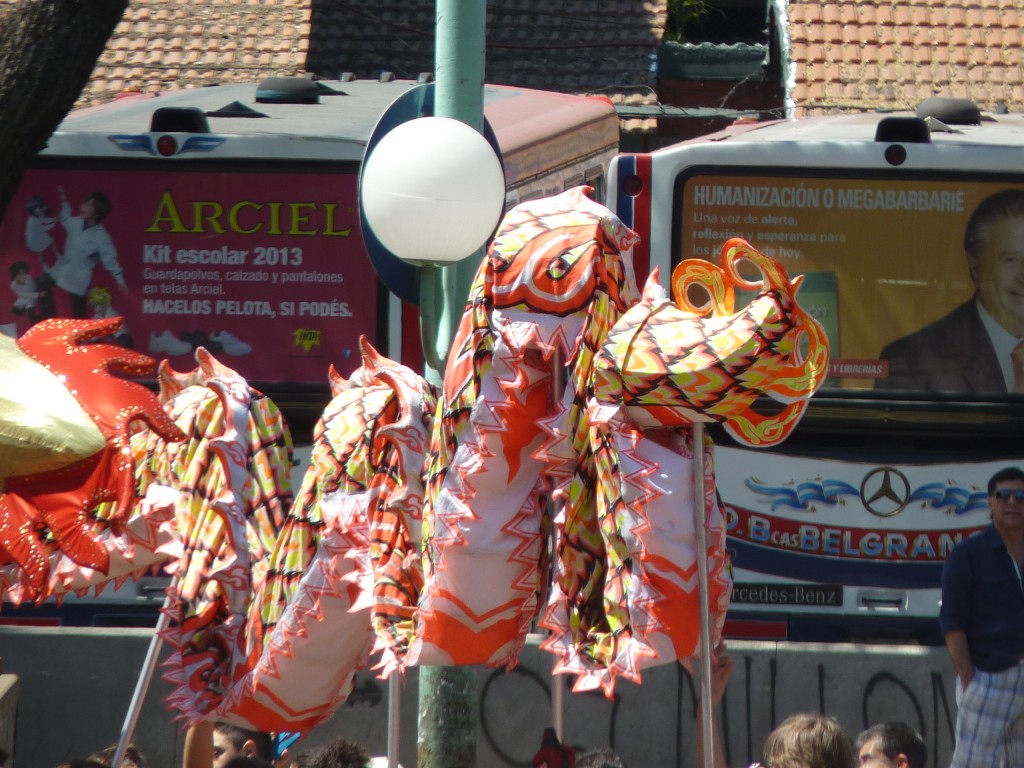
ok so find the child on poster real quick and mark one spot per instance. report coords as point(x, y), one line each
point(37, 228)
point(102, 305)
point(24, 287)
point(87, 244)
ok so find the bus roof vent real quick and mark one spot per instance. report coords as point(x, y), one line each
point(326, 90)
point(287, 90)
point(950, 111)
point(905, 130)
point(178, 120)
point(235, 109)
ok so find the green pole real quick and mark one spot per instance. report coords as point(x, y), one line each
point(447, 695)
point(460, 47)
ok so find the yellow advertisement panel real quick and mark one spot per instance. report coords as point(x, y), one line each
point(918, 282)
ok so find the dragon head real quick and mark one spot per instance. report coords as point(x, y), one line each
point(676, 363)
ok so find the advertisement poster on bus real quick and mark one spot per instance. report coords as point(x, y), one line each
point(906, 305)
point(795, 521)
point(266, 270)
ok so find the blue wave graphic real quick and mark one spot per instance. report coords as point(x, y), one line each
point(138, 142)
point(803, 494)
point(959, 500)
point(201, 144)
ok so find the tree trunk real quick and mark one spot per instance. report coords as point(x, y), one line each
point(48, 49)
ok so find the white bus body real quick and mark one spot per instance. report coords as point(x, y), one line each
point(843, 530)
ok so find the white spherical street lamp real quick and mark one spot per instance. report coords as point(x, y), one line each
point(432, 191)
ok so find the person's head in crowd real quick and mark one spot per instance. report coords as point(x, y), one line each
point(132, 757)
point(1008, 475)
point(248, 761)
point(1006, 498)
point(83, 762)
point(231, 741)
point(808, 741)
point(340, 753)
point(599, 758)
point(891, 745)
point(994, 244)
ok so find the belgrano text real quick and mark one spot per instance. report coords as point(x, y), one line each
point(807, 197)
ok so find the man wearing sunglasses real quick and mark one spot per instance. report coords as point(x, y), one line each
point(982, 619)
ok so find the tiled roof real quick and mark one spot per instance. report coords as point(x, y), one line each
point(578, 46)
point(847, 54)
point(871, 54)
point(163, 44)
point(174, 44)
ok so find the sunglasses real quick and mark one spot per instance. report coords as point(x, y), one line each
point(1005, 493)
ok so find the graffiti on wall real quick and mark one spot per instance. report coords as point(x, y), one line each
point(655, 723)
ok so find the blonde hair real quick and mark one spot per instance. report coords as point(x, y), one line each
point(99, 296)
point(808, 741)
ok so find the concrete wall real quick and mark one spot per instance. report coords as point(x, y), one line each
point(76, 686)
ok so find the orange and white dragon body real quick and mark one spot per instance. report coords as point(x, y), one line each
point(550, 484)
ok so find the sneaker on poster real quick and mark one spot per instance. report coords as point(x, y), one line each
point(230, 343)
point(200, 339)
point(168, 344)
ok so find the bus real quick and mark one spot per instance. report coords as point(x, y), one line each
point(841, 532)
point(233, 217)
point(229, 220)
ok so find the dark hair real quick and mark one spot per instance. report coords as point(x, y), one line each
point(82, 762)
point(131, 754)
point(18, 266)
point(238, 736)
point(340, 753)
point(248, 761)
point(599, 758)
point(102, 204)
point(1002, 476)
point(37, 202)
point(1002, 205)
point(895, 738)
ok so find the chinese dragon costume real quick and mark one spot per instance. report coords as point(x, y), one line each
point(549, 484)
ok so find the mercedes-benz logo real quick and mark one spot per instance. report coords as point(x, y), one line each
point(885, 491)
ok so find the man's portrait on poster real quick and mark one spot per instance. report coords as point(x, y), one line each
point(978, 347)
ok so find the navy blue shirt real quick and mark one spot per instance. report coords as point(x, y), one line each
point(983, 596)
